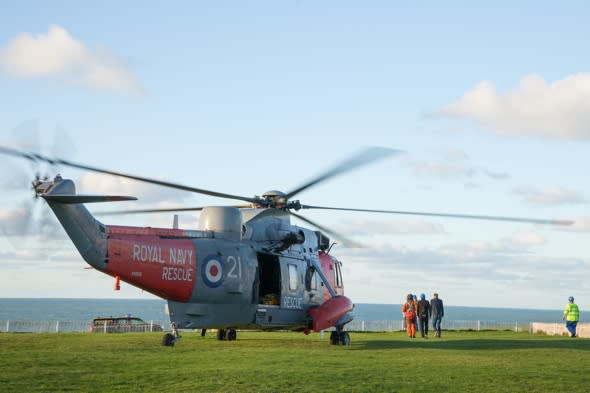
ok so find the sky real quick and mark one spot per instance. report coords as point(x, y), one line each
point(489, 102)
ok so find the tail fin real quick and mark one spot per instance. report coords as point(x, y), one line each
point(88, 234)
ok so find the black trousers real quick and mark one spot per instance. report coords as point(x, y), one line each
point(424, 326)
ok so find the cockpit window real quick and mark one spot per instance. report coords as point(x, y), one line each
point(338, 274)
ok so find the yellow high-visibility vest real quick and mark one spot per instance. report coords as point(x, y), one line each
point(572, 313)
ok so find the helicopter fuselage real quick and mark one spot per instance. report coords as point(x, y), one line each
point(212, 282)
point(242, 268)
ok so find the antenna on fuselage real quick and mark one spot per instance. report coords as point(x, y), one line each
point(329, 248)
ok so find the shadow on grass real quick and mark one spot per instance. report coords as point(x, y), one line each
point(476, 344)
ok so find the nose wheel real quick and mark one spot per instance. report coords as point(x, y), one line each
point(339, 337)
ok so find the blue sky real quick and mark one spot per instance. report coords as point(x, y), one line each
point(490, 103)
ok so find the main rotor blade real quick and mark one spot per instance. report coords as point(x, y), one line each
point(139, 211)
point(363, 158)
point(448, 215)
point(17, 153)
point(172, 209)
point(345, 241)
point(54, 161)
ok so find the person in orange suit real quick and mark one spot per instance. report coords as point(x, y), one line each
point(409, 315)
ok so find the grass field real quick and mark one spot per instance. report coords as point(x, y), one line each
point(490, 361)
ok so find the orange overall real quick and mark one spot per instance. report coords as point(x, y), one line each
point(409, 311)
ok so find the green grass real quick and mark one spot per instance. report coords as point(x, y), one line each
point(488, 361)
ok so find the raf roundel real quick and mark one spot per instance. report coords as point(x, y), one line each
point(212, 271)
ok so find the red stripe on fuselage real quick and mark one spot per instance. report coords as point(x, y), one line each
point(148, 259)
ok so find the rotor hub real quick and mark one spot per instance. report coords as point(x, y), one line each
point(274, 199)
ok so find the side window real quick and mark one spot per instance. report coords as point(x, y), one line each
point(311, 280)
point(293, 279)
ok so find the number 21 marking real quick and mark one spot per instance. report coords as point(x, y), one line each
point(235, 270)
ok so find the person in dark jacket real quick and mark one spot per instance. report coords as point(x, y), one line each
point(437, 313)
point(423, 314)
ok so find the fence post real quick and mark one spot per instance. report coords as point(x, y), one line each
point(516, 326)
point(57, 326)
point(363, 325)
point(478, 326)
point(7, 326)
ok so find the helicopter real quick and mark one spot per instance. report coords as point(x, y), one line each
point(244, 267)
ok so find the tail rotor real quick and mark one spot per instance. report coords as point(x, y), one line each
point(27, 221)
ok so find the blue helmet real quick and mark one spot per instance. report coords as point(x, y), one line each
point(571, 298)
point(422, 296)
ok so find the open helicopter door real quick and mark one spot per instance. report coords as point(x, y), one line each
point(269, 275)
point(268, 292)
point(282, 292)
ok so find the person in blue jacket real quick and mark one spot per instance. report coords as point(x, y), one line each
point(437, 312)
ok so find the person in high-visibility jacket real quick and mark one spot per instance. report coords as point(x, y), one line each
point(571, 316)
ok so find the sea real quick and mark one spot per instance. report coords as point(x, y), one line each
point(45, 309)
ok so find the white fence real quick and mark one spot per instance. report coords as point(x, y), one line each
point(558, 329)
point(356, 325)
point(9, 326)
point(395, 325)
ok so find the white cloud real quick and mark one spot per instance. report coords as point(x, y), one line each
point(550, 196)
point(58, 55)
point(96, 183)
point(496, 175)
point(453, 163)
point(149, 196)
point(558, 110)
point(476, 273)
point(524, 239)
point(30, 218)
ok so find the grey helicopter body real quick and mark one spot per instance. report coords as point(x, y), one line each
point(241, 268)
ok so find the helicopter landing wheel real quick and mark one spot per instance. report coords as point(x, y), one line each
point(231, 335)
point(334, 338)
point(221, 334)
point(339, 336)
point(345, 338)
point(168, 340)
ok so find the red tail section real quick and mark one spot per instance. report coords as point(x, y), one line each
point(153, 259)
